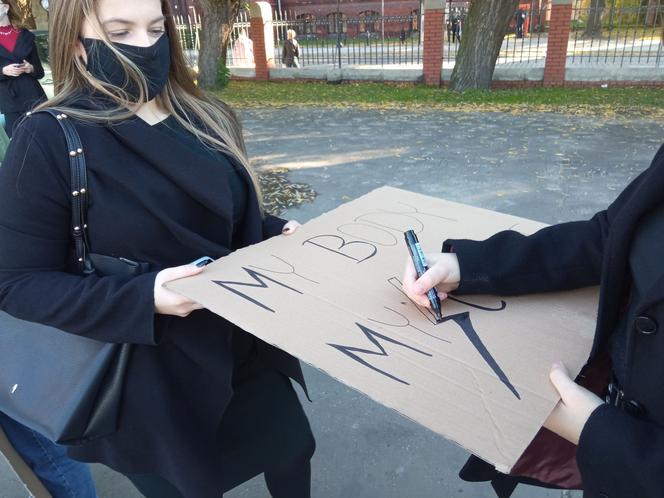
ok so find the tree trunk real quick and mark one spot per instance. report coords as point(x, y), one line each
point(486, 24)
point(23, 9)
point(216, 27)
point(40, 15)
point(595, 14)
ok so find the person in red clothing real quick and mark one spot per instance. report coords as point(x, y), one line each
point(21, 69)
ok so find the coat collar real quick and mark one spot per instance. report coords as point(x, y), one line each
point(195, 170)
point(24, 45)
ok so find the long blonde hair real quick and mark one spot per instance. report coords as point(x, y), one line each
point(209, 119)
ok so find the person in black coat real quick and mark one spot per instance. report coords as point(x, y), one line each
point(205, 406)
point(620, 430)
point(20, 90)
point(290, 55)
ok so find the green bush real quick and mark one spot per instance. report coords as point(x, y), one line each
point(41, 40)
point(223, 74)
point(578, 24)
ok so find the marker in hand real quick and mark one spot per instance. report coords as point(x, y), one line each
point(421, 267)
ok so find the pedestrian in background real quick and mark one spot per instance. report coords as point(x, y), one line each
point(455, 29)
point(243, 50)
point(520, 21)
point(20, 90)
point(291, 52)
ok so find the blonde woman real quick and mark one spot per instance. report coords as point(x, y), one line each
point(205, 405)
point(291, 51)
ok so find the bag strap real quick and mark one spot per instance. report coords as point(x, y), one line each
point(79, 190)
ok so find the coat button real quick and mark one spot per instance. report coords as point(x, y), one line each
point(635, 408)
point(645, 325)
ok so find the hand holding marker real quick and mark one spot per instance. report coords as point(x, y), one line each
point(421, 267)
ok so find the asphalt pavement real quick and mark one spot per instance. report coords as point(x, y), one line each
point(548, 167)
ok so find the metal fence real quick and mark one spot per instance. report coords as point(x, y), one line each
point(526, 39)
point(189, 29)
point(368, 39)
point(629, 33)
point(240, 49)
point(622, 33)
point(524, 43)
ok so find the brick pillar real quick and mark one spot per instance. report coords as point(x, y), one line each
point(432, 56)
point(556, 50)
point(262, 36)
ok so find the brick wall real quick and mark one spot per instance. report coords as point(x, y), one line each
point(556, 51)
point(260, 54)
point(432, 56)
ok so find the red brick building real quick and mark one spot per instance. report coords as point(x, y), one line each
point(319, 16)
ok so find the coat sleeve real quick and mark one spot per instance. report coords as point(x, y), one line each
point(621, 455)
point(272, 226)
point(560, 257)
point(35, 246)
point(33, 59)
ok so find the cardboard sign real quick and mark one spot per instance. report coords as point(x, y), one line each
point(331, 295)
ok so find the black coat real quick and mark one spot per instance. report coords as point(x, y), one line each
point(157, 200)
point(290, 51)
point(621, 451)
point(21, 93)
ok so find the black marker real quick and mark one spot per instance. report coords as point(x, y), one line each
point(420, 267)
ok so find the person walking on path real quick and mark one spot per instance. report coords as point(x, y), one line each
point(21, 69)
point(205, 405)
point(243, 50)
point(291, 51)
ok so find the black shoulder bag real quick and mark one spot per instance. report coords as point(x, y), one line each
point(62, 385)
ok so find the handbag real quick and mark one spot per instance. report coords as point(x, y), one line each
point(65, 386)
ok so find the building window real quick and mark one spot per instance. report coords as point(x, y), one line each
point(306, 23)
point(333, 24)
point(369, 21)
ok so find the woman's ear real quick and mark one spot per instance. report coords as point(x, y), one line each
point(79, 51)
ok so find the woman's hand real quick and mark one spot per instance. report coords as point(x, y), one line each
point(167, 302)
point(574, 408)
point(444, 273)
point(12, 70)
point(290, 228)
point(27, 67)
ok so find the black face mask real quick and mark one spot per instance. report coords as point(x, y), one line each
point(153, 61)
